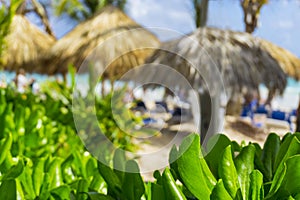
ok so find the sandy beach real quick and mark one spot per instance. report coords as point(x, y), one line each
point(154, 151)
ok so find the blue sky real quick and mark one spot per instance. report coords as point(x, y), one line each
point(279, 21)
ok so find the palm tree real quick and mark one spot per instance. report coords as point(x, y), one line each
point(200, 12)
point(34, 6)
point(251, 9)
point(82, 10)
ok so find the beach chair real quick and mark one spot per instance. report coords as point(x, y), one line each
point(261, 109)
point(280, 115)
point(294, 112)
point(246, 111)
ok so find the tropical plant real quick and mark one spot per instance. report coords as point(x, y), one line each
point(81, 10)
point(42, 158)
point(7, 12)
point(251, 9)
point(230, 171)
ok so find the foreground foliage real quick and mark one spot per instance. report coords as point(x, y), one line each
point(41, 157)
point(230, 171)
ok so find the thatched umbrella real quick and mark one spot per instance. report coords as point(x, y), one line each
point(107, 35)
point(25, 44)
point(242, 62)
point(288, 61)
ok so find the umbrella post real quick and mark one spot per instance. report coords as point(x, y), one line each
point(205, 113)
point(210, 115)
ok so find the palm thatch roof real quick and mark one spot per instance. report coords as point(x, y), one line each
point(24, 45)
point(111, 36)
point(288, 61)
point(240, 58)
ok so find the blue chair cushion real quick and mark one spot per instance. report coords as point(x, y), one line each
point(261, 110)
point(278, 115)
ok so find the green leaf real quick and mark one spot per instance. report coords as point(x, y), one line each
point(113, 182)
point(91, 166)
point(172, 191)
point(219, 192)
point(55, 173)
point(256, 191)
point(20, 192)
point(119, 162)
point(209, 177)
point(97, 196)
point(38, 175)
point(290, 198)
point(269, 154)
point(66, 168)
point(97, 183)
point(5, 147)
point(79, 164)
point(61, 192)
point(215, 147)
point(239, 195)
point(189, 167)
point(288, 148)
point(8, 190)
point(82, 190)
point(147, 194)
point(228, 173)
point(244, 164)
point(297, 196)
point(173, 156)
point(235, 146)
point(277, 181)
point(157, 191)
point(72, 72)
point(13, 172)
point(259, 165)
point(133, 185)
point(45, 188)
point(292, 176)
point(157, 176)
point(287, 136)
point(26, 181)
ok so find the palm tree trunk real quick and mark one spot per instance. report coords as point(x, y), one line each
point(201, 11)
point(41, 12)
point(251, 9)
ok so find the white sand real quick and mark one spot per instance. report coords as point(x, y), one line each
point(155, 150)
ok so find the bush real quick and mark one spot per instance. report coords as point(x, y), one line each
point(42, 158)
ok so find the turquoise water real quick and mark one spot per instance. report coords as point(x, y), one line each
point(288, 101)
point(7, 77)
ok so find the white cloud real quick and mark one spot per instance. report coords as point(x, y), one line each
point(140, 8)
point(173, 15)
point(285, 24)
